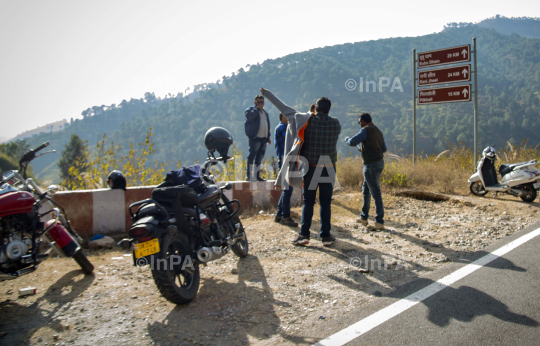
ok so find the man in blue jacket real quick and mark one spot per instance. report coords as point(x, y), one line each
point(257, 126)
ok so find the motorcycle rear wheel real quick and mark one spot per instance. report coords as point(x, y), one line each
point(477, 188)
point(241, 247)
point(83, 262)
point(531, 193)
point(177, 285)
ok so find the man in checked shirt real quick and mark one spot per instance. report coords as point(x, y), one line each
point(316, 136)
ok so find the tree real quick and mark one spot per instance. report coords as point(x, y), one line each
point(74, 152)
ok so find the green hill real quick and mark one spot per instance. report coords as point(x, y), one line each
point(509, 100)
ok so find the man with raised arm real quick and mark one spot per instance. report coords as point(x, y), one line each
point(310, 161)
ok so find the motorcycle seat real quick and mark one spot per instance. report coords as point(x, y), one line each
point(147, 210)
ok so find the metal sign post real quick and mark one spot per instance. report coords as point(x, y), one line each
point(446, 75)
point(475, 106)
point(414, 105)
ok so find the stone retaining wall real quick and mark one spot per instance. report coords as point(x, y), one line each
point(105, 211)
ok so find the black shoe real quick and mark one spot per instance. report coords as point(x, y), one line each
point(327, 241)
point(301, 240)
point(277, 218)
point(289, 222)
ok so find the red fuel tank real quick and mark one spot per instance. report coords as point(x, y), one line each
point(16, 203)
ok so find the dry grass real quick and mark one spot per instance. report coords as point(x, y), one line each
point(446, 172)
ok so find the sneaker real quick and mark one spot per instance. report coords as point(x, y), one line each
point(362, 221)
point(277, 218)
point(289, 222)
point(376, 227)
point(327, 241)
point(301, 240)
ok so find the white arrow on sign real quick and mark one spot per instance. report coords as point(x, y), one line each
point(464, 52)
point(465, 92)
point(465, 72)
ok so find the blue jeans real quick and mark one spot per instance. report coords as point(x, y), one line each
point(372, 187)
point(284, 204)
point(326, 191)
point(257, 148)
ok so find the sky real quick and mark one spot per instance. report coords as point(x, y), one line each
point(59, 58)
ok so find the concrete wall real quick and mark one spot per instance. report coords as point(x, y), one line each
point(105, 211)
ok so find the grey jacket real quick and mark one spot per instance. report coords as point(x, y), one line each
point(293, 167)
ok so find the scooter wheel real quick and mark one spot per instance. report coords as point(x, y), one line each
point(477, 188)
point(530, 193)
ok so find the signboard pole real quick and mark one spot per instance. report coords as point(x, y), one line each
point(475, 105)
point(414, 106)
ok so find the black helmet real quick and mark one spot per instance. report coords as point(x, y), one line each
point(218, 138)
point(116, 180)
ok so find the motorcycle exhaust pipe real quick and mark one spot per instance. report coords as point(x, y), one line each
point(517, 193)
point(207, 254)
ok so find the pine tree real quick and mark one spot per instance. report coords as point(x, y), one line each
point(74, 152)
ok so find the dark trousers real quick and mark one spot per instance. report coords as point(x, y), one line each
point(257, 148)
point(326, 191)
point(372, 187)
point(284, 204)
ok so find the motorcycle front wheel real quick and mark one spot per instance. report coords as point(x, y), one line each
point(531, 193)
point(175, 273)
point(477, 188)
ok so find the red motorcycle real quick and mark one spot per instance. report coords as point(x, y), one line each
point(25, 239)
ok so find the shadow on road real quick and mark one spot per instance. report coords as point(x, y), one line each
point(225, 313)
point(465, 303)
point(21, 321)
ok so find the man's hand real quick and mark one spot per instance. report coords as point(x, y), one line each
point(262, 90)
point(346, 139)
point(269, 140)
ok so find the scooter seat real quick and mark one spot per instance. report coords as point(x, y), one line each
point(505, 169)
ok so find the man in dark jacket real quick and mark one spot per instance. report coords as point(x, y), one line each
point(372, 147)
point(257, 126)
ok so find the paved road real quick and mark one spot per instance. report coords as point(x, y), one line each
point(498, 304)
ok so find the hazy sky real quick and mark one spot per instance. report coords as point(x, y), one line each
point(60, 57)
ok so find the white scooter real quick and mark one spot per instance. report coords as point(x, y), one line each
point(520, 179)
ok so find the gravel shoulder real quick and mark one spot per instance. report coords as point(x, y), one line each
point(274, 296)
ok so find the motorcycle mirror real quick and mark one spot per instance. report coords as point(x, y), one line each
point(53, 189)
point(8, 175)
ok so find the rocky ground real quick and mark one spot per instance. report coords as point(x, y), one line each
point(274, 296)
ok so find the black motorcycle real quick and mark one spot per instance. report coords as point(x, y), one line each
point(188, 221)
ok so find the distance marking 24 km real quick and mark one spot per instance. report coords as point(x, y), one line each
point(445, 75)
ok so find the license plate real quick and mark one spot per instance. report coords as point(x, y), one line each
point(146, 249)
point(536, 185)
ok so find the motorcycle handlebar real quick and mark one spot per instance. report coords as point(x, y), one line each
point(31, 154)
point(44, 145)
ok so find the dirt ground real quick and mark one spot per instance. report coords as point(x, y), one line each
point(274, 296)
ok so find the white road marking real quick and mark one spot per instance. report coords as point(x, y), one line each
point(352, 332)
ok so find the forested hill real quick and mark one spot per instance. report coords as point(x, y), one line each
point(526, 27)
point(509, 103)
